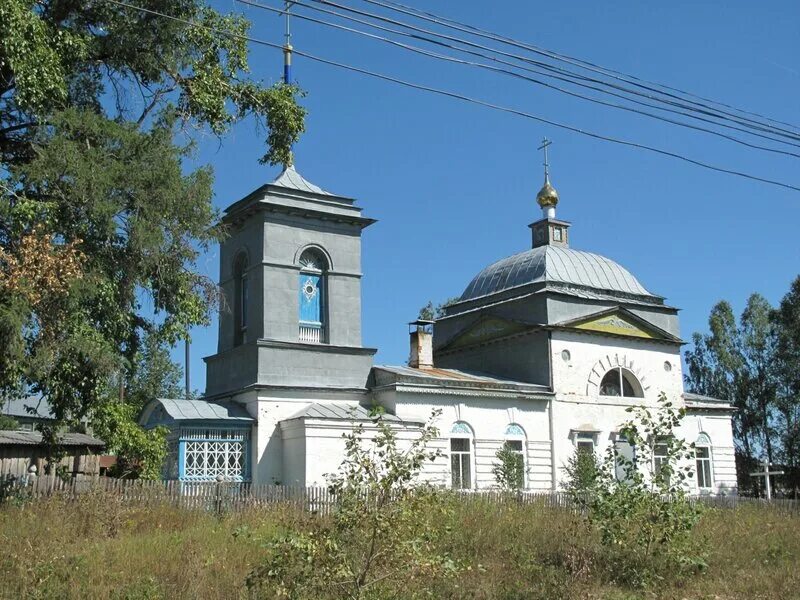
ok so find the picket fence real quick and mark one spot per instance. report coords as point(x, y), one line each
point(236, 496)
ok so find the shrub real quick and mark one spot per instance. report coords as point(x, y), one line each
point(509, 472)
point(384, 529)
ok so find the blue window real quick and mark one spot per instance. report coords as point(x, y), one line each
point(206, 453)
point(311, 296)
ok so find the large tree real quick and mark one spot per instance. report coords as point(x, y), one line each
point(101, 222)
point(736, 362)
point(787, 322)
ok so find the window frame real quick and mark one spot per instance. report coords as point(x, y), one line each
point(704, 442)
point(461, 430)
point(624, 376)
point(314, 261)
point(241, 303)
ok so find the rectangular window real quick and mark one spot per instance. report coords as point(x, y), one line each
point(625, 459)
point(460, 463)
point(703, 457)
point(659, 458)
point(214, 452)
point(585, 442)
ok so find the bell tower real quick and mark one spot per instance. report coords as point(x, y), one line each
point(290, 276)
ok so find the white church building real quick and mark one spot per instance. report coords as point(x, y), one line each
point(543, 352)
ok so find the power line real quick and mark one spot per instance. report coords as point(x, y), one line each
point(589, 66)
point(704, 110)
point(461, 97)
point(509, 73)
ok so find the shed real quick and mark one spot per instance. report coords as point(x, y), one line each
point(19, 450)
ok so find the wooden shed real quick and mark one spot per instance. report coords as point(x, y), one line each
point(19, 450)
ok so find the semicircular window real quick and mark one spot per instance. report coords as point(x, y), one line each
point(620, 382)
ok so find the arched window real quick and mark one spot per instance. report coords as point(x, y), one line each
point(461, 456)
point(313, 267)
point(702, 453)
point(620, 382)
point(514, 445)
point(240, 300)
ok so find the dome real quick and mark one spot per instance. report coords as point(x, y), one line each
point(554, 264)
point(547, 196)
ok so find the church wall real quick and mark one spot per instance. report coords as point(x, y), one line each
point(579, 405)
point(284, 239)
point(315, 366)
point(488, 418)
point(522, 357)
point(247, 239)
point(229, 371)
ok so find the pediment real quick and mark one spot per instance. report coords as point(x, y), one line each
point(486, 329)
point(619, 322)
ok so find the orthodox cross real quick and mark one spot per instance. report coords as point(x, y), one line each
point(765, 474)
point(545, 144)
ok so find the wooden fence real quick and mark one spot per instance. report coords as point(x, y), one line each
point(232, 496)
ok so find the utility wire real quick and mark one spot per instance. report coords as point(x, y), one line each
point(511, 73)
point(463, 98)
point(583, 64)
point(681, 104)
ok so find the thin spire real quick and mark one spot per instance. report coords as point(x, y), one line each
point(287, 46)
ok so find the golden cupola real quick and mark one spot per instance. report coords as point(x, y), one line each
point(547, 196)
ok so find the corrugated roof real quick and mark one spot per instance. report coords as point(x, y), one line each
point(556, 264)
point(18, 408)
point(291, 179)
point(34, 438)
point(202, 410)
point(339, 411)
point(700, 398)
point(455, 375)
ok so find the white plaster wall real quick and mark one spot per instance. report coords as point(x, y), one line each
point(488, 418)
point(578, 403)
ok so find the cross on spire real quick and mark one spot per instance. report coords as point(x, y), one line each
point(545, 144)
point(287, 46)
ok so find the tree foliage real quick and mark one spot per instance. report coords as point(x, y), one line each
point(431, 311)
point(645, 517)
point(101, 222)
point(384, 529)
point(509, 470)
point(754, 364)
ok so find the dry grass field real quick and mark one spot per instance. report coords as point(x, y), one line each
point(99, 547)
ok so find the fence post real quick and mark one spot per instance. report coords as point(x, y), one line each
point(218, 495)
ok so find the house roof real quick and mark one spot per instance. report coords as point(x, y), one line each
point(699, 401)
point(555, 264)
point(339, 411)
point(34, 438)
point(18, 407)
point(163, 411)
point(291, 179)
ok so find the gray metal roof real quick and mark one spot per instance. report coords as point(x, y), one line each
point(291, 179)
point(554, 264)
point(690, 397)
point(34, 438)
point(18, 407)
point(455, 376)
point(202, 410)
point(339, 411)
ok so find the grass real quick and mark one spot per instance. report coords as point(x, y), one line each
point(97, 547)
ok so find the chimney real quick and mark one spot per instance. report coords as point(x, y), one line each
point(421, 337)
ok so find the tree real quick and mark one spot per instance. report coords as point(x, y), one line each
point(431, 312)
point(737, 362)
point(383, 531)
point(98, 103)
point(509, 471)
point(787, 323)
point(583, 473)
point(645, 518)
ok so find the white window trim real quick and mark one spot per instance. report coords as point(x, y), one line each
point(636, 384)
point(710, 460)
point(471, 454)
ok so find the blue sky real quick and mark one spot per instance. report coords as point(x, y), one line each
point(453, 185)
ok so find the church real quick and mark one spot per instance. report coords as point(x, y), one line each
point(542, 353)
